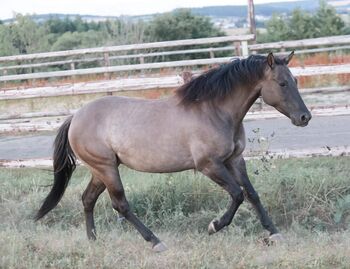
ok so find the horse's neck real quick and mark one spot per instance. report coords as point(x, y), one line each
point(239, 102)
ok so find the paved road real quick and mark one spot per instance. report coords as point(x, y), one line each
point(278, 134)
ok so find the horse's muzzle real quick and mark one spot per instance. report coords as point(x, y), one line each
point(301, 119)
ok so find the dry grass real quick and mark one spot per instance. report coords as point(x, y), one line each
point(43, 247)
point(308, 199)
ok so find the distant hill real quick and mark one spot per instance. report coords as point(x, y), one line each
point(261, 9)
point(240, 11)
point(269, 8)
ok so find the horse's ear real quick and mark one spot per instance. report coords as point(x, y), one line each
point(289, 57)
point(271, 60)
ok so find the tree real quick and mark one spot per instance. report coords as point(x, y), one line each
point(327, 22)
point(277, 29)
point(6, 46)
point(302, 25)
point(27, 37)
point(181, 24)
point(67, 41)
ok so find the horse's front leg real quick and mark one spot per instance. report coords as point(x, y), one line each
point(238, 168)
point(217, 172)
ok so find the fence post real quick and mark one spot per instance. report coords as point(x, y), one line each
point(237, 46)
point(72, 67)
point(142, 59)
point(106, 63)
point(4, 74)
point(245, 52)
point(211, 53)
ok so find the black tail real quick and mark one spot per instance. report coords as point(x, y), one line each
point(63, 165)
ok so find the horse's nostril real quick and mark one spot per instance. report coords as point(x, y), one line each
point(303, 118)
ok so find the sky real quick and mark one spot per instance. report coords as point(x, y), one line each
point(107, 7)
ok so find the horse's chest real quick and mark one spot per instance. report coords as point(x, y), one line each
point(239, 147)
point(232, 147)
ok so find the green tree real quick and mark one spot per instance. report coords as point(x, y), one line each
point(181, 24)
point(6, 46)
point(302, 25)
point(277, 29)
point(326, 22)
point(27, 36)
point(67, 41)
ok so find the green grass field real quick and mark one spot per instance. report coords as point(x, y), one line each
point(309, 200)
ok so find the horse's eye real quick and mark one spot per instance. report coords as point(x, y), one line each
point(283, 84)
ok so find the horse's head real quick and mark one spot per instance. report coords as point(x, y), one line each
point(279, 89)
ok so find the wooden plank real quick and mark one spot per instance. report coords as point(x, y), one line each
point(110, 86)
point(118, 57)
point(298, 71)
point(163, 44)
point(109, 69)
point(321, 41)
point(129, 84)
point(94, 87)
point(162, 53)
point(321, 70)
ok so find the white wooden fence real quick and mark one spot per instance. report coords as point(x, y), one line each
point(29, 62)
point(132, 84)
point(240, 48)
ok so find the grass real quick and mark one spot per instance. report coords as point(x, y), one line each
point(309, 199)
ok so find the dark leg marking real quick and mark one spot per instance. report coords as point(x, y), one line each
point(90, 196)
point(115, 188)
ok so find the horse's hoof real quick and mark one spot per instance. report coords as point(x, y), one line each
point(211, 228)
point(276, 238)
point(160, 247)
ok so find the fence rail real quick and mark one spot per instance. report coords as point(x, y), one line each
point(108, 86)
point(105, 56)
point(321, 41)
point(153, 45)
point(131, 84)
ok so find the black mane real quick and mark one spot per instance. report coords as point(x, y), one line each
point(218, 82)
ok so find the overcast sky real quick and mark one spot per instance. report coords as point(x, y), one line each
point(107, 7)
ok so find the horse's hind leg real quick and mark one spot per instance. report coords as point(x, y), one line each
point(89, 198)
point(111, 178)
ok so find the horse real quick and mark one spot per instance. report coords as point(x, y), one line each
point(198, 127)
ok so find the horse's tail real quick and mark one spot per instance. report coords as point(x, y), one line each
point(63, 165)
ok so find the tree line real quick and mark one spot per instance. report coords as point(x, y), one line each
point(301, 25)
point(25, 35)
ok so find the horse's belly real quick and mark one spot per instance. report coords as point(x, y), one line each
point(157, 164)
point(156, 159)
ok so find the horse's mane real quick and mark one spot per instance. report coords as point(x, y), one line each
point(219, 82)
